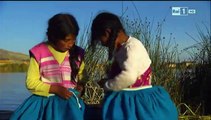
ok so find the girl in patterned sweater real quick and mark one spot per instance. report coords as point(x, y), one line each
point(55, 69)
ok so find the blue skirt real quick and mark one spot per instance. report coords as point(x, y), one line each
point(50, 108)
point(146, 104)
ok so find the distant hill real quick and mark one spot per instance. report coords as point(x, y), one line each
point(14, 56)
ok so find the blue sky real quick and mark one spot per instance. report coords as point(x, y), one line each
point(23, 24)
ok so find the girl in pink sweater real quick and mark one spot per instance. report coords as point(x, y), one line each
point(53, 74)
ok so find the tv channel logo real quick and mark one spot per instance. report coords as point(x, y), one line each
point(182, 11)
point(191, 11)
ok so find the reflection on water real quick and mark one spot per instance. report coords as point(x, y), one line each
point(12, 90)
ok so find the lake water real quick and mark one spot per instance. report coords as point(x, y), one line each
point(12, 90)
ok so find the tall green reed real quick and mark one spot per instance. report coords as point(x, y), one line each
point(197, 87)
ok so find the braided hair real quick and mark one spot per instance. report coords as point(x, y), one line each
point(76, 55)
point(102, 22)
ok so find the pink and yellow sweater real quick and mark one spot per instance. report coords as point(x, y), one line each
point(49, 67)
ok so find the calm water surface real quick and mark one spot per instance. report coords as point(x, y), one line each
point(12, 90)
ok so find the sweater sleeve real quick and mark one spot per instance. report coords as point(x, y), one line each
point(33, 82)
point(80, 72)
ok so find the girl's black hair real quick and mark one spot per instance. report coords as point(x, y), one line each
point(103, 21)
point(75, 53)
point(59, 26)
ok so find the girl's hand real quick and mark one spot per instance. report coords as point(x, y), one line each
point(102, 82)
point(80, 89)
point(60, 91)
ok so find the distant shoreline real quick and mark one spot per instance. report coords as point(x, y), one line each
point(18, 66)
